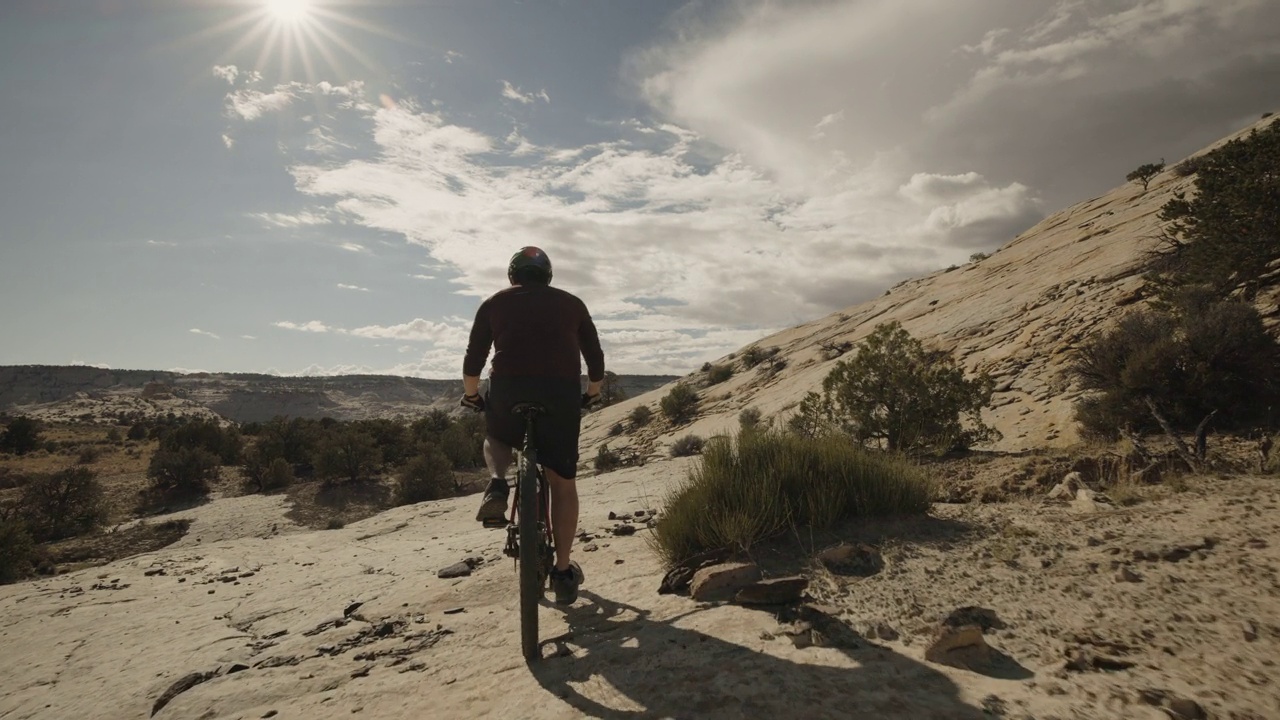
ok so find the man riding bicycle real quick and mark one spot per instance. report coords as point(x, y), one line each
point(538, 333)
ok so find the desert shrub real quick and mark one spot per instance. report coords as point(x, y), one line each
point(347, 454)
point(17, 551)
point(611, 391)
point(428, 475)
point(224, 443)
point(463, 442)
point(706, 367)
point(680, 405)
point(719, 373)
point(896, 392)
point(182, 474)
point(62, 504)
point(746, 489)
point(1189, 167)
point(137, 431)
point(772, 367)
point(978, 257)
point(87, 455)
point(749, 419)
point(114, 437)
point(687, 446)
point(617, 429)
point(607, 460)
point(755, 355)
point(640, 416)
point(1226, 236)
point(392, 438)
point(21, 436)
point(1190, 360)
point(1145, 173)
point(278, 475)
point(335, 523)
point(814, 418)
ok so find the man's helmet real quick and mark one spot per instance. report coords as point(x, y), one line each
point(527, 260)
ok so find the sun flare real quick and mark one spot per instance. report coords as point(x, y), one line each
point(289, 11)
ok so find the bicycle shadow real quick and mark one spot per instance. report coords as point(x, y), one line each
point(635, 667)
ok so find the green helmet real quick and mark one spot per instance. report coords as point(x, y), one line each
point(529, 259)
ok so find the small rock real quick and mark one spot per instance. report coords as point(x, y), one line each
point(640, 513)
point(859, 560)
point(613, 515)
point(237, 667)
point(1185, 709)
point(230, 571)
point(778, 591)
point(1256, 544)
point(721, 582)
point(963, 647)
point(454, 610)
point(592, 547)
point(270, 714)
point(984, 618)
point(1250, 630)
point(623, 530)
point(1126, 574)
point(346, 612)
point(248, 575)
point(362, 672)
point(885, 632)
point(456, 570)
point(153, 571)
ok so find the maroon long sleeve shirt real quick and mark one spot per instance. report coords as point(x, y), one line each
point(537, 331)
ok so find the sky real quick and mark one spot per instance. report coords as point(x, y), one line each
point(333, 186)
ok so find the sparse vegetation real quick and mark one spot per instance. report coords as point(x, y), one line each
point(750, 488)
point(1199, 357)
point(680, 405)
point(749, 419)
point(180, 475)
point(1145, 173)
point(611, 391)
point(755, 355)
point(17, 551)
point(1225, 237)
point(617, 429)
point(717, 374)
point(347, 454)
point(896, 392)
point(607, 460)
point(62, 504)
point(426, 476)
point(21, 436)
point(640, 416)
point(978, 257)
point(686, 446)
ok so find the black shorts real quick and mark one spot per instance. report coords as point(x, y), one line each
point(556, 432)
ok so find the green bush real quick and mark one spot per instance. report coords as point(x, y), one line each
point(640, 416)
point(1190, 360)
point(181, 475)
point(896, 392)
point(21, 436)
point(755, 355)
point(17, 551)
point(347, 454)
point(62, 504)
point(717, 374)
point(224, 443)
point(749, 419)
point(687, 446)
point(463, 442)
point(680, 405)
point(137, 431)
point(1225, 236)
point(427, 475)
point(750, 488)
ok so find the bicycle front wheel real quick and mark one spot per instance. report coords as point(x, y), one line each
point(531, 583)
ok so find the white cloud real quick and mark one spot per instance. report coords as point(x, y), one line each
point(512, 92)
point(287, 220)
point(345, 286)
point(423, 277)
point(248, 337)
point(226, 72)
point(353, 247)
point(162, 243)
point(205, 333)
point(451, 334)
point(228, 141)
point(826, 121)
point(314, 326)
point(451, 55)
point(251, 104)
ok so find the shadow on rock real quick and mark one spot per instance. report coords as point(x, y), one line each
point(629, 666)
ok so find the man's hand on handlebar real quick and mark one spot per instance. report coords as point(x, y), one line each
point(589, 400)
point(474, 402)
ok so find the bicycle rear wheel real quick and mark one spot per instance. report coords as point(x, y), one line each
point(531, 582)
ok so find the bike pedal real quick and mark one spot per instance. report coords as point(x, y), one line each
point(495, 524)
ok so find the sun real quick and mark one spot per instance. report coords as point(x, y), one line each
point(289, 12)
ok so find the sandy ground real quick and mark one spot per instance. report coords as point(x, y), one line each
point(279, 610)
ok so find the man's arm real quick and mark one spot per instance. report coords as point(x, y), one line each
point(477, 350)
point(589, 342)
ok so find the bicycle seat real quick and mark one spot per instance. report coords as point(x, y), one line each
point(528, 408)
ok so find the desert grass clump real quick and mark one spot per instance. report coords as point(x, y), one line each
point(607, 460)
point(752, 487)
point(680, 405)
point(717, 374)
point(640, 416)
point(687, 446)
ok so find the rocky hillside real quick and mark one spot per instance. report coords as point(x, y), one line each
point(87, 393)
point(1017, 314)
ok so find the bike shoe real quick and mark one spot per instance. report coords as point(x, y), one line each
point(493, 511)
point(566, 582)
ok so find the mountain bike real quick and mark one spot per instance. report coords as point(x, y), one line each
point(529, 540)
